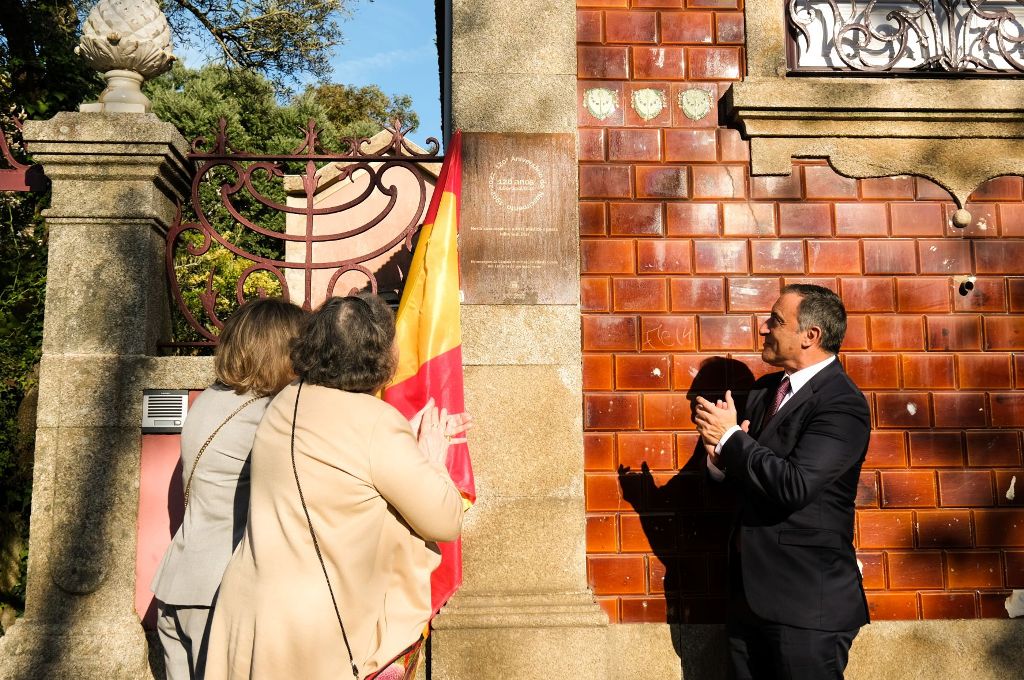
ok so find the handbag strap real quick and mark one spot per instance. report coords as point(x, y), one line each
point(202, 449)
point(316, 544)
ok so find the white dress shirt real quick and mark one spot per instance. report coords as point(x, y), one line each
point(797, 380)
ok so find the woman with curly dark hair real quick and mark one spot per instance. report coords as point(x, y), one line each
point(333, 574)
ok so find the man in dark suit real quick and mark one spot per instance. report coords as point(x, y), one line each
point(796, 596)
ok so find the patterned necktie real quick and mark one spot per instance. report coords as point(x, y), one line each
point(780, 396)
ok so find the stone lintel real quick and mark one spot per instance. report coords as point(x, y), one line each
point(544, 610)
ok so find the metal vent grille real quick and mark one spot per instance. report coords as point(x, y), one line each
point(163, 411)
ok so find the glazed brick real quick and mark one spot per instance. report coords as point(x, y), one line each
point(886, 450)
point(719, 257)
point(861, 219)
point(915, 570)
point(599, 451)
point(944, 528)
point(631, 27)
point(634, 145)
point(949, 256)
point(1011, 219)
point(588, 26)
point(615, 118)
point(872, 569)
point(604, 181)
point(691, 574)
point(821, 181)
point(692, 28)
point(1014, 568)
point(611, 411)
point(692, 219)
point(1006, 188)
point(897, 332)
point(928, 371)
point(961, 332)
point(908, 489)
point(718, 181)
point(714, 63)
point(917, 219)
point(993, 448)
point(644, 610)
point(999, 528)
point(606, 256)
point(889, 257)
point(974, 569)
point(928, 190)
point(726, 333)
point(805, 219)
point(1005, 481)
point(697, 295)
point(1016, 294)
point(752, 295)
point(658, 3)
point(680, 119)
point(983, 222)
point(664, 117)
point(636, 219)
point(655, 533)
point(597, 372)
point(641, 373)
point(936, 449)
point(615, 574)
point(640, 295)
point(659, 63)
point(663, 256)
point(602, 62)
point(867, 294)
point(887, 187)
point(777, 257)
point(965, 488)
point(1004, 332)
point(592, 219)
point(856, 333)
point(604, 492)
point(1018, 369)
point(668, 334)
point(691, 145)
point(989, 295)
point(734, 149)
point(592, 144)
point(833, 257)
point(601, 534)
point(867, 490)
point(892, 606)
point(873, 371)
point(729, 28)
point(602, 3)
point(824, 281)
point(999, 257)
point(1007, 409)
point(992, 605)
point(716, 4)
point(595, 294)
point(748, 219)
point(785, 186)
point(656, 449)
point(667, 412)
point(705, 370)
point(959, 409)
point(662, 181)
point(902, 409)
point(924, 294)
point(687, 444)
point(937, 606)
point(885, 529)
point(609, 333)
point(754, 365)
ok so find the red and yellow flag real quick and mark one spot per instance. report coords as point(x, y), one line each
point(429, 336)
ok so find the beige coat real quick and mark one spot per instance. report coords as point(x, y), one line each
point(375, 502)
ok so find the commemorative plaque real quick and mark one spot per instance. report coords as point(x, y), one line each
point(518, 240)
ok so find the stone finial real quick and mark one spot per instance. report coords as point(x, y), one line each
point(129, 41)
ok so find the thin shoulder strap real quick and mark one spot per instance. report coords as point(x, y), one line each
point(316, 544)
point(202, 449)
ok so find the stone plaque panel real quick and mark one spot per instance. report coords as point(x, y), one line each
point(519, 236)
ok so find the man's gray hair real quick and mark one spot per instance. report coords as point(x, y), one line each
point(822, 308)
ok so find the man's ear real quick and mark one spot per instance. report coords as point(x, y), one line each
point(812, 337)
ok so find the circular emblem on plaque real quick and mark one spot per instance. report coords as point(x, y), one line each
point(516, 183)
point(695, 103)
point(601, 102)
point(648, 103)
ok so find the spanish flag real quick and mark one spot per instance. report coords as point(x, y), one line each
point(429, 336)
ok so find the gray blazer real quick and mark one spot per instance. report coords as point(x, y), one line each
point(192, 567)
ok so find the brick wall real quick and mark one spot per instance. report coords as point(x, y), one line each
point(682, 255)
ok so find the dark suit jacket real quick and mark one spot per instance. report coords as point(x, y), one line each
point(798, 482)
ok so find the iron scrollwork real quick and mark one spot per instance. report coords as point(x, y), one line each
point(914, 36)
point(237, 175)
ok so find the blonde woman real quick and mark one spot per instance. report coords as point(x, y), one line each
point(252, 364)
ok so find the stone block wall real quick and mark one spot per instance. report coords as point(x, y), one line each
point(682, 255)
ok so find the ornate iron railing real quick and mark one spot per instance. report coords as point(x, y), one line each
point(15, 175)
point(976, 37)
point(242, 179)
